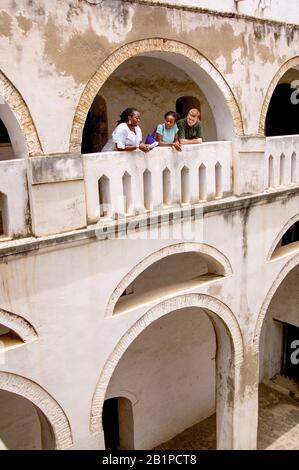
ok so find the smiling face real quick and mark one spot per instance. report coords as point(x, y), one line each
point(169, 121)
point(192, 119)
point(135, 118)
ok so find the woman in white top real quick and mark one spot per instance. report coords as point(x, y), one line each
point(127, 134)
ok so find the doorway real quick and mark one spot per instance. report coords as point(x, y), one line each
point(118, 424)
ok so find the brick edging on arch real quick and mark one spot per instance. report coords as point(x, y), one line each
point(292, 263)
point(138, 47)
point(18, 106)
point(19, 325)
point(183, 301)
point(283, 69)
point(40, 398)
point(188, 247)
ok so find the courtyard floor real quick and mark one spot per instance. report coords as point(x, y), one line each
point(278, 426)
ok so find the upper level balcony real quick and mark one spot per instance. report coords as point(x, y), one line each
point(121, 185)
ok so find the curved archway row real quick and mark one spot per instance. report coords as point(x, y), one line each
point(219, 311)
point(17, 109)
point(212, 82)
point(42, 400)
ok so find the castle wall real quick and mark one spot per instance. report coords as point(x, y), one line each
point(64, 291)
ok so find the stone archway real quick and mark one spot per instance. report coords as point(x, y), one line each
point(18, 111)
point(230, 357)
point(274, 82)
point(292, 263)
point(41, 399)
point(220, 90)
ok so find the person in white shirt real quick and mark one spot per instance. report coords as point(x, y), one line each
point(127, 135)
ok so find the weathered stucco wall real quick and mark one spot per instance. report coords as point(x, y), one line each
point(64, 292)
point(49, 53)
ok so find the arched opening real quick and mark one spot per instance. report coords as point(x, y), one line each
point(3, 215)
point(8, 338)
point(22, 425)
point(174, 382)
point(152, 338)
point(95, 132)
point(104, 196)
point(12, 140)
point(118, 424)
point(185, 103)
point(282, 116)
point(279, 368)
point(146, 90)
point(181, 271)
point(142, 80)
point(288, 242)
point(6, 152)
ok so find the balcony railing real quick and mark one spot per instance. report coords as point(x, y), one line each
point(134, 182)
point(281, 161)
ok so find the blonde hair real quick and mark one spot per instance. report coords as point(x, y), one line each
point(194, 112)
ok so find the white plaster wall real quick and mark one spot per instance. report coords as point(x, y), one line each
point(271, 9)
point(152, 86)
point(268, 9)
point(170, 369)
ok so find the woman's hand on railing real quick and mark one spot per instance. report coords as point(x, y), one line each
point(143, 147)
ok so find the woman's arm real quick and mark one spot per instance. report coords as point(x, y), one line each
point(129, 148)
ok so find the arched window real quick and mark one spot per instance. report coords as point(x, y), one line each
point(283, 115)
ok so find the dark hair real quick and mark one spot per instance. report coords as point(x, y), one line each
point(125, 114)
point(175, 115)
